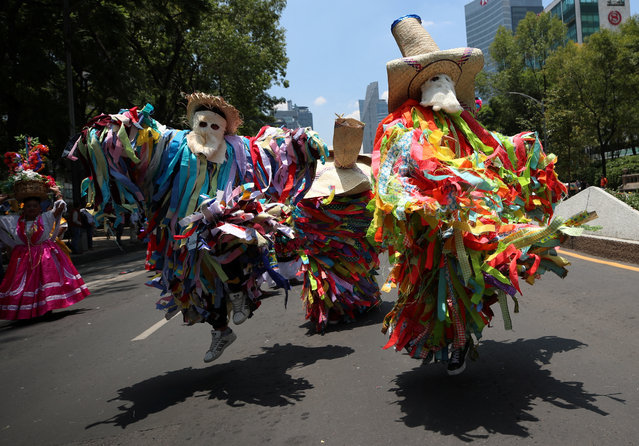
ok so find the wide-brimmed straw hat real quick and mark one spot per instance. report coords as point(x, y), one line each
point(422, 59)
point(197, 100)
point(346, 170)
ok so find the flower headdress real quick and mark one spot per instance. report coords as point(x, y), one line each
point(24, 167)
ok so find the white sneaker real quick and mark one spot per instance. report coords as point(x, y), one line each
point(241, 310)
point(220, 340)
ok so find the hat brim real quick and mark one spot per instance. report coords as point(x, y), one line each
point(352, 181)
point(406, 75)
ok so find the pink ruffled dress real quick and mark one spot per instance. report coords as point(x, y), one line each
point(40, 277)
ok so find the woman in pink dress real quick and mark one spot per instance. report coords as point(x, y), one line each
point(40, 278)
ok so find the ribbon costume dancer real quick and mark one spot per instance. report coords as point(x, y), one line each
point(338, 262)
point(464, 212)
point(212, 199)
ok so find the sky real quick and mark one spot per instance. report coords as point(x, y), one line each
point(337, 47)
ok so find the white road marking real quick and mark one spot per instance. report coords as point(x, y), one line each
point(149, 331)
point(100, 282)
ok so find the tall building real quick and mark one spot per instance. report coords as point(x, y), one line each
point(372, 110)
point(586, 17)
point(293, 116)
point(484, 17)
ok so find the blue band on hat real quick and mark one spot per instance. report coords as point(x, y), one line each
point(414, 16)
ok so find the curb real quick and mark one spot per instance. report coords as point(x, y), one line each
point(609, 248)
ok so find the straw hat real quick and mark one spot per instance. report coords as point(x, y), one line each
point(422, 59)
point(348, 171)
point(197, 100)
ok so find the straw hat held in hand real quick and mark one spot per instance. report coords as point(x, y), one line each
point(346, 171)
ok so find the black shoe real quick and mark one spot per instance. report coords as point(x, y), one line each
point(457, 361)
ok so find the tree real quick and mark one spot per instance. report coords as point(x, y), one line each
point(630, 56)
point(130, 52)
point(520, 59)
point(32, 92)
point(593, 91)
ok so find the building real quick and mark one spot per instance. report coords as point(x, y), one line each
point(292, 116)
point(586, 17)
point(372, 110)
point(484, 17)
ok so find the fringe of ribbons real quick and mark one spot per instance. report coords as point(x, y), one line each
point(338, 263)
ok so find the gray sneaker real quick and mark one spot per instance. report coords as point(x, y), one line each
point(241, 310)
point(220, 340)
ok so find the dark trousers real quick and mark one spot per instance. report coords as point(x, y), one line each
point(219, 317)
point(76, 239)
point(89, 230)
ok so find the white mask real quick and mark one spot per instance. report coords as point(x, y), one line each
point(439, 92)
point(207, 136)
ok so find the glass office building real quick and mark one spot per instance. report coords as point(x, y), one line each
point(586, 17)
point(293, 116)
point(484, 17)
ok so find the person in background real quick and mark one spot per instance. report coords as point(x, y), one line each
point(119, 227)
point(134, 225)
point(75, 226)
point(88, 224)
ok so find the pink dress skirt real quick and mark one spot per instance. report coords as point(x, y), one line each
point(40, 277)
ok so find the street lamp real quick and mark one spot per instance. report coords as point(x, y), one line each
point(543, 112)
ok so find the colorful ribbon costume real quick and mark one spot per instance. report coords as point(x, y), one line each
point(134, 159)
point(465, 213)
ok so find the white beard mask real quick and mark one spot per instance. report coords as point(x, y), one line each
point(439, 92)
point(207, 136)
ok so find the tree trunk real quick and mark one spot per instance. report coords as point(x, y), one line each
point(602, 150)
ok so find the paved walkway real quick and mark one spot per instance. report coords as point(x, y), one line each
point(103, 247)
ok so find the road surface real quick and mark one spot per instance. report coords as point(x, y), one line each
point(108, 371)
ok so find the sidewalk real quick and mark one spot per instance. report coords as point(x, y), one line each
point(107, 248)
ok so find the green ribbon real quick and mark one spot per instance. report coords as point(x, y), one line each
point(461, 255)
point(503, 304)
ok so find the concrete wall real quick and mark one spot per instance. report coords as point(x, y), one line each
point(618, 220)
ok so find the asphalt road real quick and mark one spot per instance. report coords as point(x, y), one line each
point(567, 373)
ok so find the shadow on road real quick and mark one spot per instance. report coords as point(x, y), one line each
point(259, 379)
point(55, 315)
point(373, 317)
point(496, 393)
point(110, 288)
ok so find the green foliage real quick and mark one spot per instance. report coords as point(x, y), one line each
point(630, 198)
point(520, 59)
point(590, 93)
point(129, 52)
point(620, 166)
point(594, 98)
